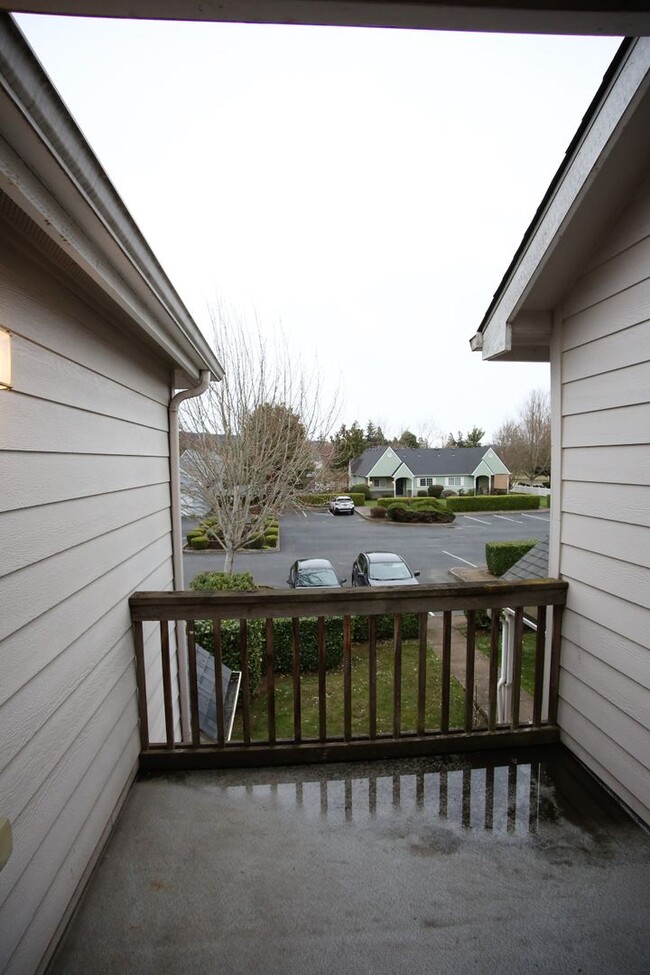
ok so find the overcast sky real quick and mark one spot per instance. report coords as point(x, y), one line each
point(367, 188)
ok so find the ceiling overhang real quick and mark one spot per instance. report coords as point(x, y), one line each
point(505, 16)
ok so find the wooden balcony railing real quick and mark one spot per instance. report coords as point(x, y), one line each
point(432, 693)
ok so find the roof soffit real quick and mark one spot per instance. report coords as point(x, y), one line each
point(609, 159)
point(50, 173)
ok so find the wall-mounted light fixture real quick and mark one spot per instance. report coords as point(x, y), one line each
point(5, 359)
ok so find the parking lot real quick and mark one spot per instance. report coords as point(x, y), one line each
point(430, 549)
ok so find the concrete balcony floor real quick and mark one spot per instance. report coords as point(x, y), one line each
point(477, 865)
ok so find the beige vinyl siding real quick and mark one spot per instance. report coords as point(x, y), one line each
point(85, 520)
point(604, 539)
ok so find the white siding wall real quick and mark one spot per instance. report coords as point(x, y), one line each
point(603, 536)
point(84, 520)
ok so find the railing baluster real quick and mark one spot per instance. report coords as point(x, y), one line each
point(540, 642)
point(141, 681)
point(554, 683)
point(397, 676)
point(470, 650)
point(194, 694)
point(347, 679)
point(422, 673)
point(295, 647)
point(167, 683)
point(245, 680)
point(322, 681)
point(372, 677)
point(495, 625)
point(446, 672)
point(516, 667)
point(270, 679)
point(371, 737)
point(218, 682)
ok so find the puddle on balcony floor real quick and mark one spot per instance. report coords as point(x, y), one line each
point(523, 864)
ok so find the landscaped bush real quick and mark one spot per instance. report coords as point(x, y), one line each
point(422, 494)
point(315, 499)
point(447, 493)
point(501, 556)
point(363, 489)
point(431, 504)
point(199, 542)
point(435, 490)
point(386, 502)
point(358, 498)
point(230, 645)
point(230, 636)
point(492, 502)
point(223, 581)
point(410, 627)
point(403, 514)
point(377, 512)
point(283, 647)
point(257, 541)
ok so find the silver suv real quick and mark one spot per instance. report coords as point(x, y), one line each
point(342, 505)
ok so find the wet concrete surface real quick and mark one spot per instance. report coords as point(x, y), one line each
point(474, 865)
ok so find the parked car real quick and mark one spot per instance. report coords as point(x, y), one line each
point(342, 505)
point(313, 574)
point(382, 569)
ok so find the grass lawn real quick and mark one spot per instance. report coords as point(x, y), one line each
point(334, 692)
point(527, 655)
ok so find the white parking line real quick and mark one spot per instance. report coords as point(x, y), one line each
point(451, 555)
point(472, 518)
point(505, 518)
point(536, 517)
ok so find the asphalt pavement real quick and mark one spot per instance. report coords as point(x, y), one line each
point(430, 549)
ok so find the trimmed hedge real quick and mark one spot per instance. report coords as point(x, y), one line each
point(230, 653)
point(410, 627)
point(377, 512)
point(359, 498)
point(386, 502)
point(283, 649)
point(426, 513)
point(223, 582)
point(493, 502)
point(501, 556)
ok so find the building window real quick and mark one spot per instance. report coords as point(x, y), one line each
point(454, 481)
point(426, 481)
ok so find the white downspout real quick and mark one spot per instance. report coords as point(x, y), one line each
point(177, 542)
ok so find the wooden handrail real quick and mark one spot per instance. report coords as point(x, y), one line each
point(271, 604)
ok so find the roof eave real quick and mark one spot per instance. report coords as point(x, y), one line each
point(48, 169)
point(604, 157)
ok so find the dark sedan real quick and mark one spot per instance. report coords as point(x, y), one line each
point(382, 569)
point(313, 574)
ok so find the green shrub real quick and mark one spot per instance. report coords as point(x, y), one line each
point(410, 627)
point(386, 502)
point(406, 515)
point(283, 645)
point(194, 533)
point(359, 499)
point(230, 648)
point(257, 541)
point(501, 556)
point(363, 489)
point(199, 542)
point(422, 494)
point(223, 581)
point(315, 499)
point(377, 512)
point(493, 502)
point(435, 490)
point(447, 493)
point(230, 645)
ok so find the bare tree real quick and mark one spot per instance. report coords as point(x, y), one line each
point(525, 441)
point(252, 446)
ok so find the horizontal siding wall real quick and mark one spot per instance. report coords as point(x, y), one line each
point(605, 498)
point(84, 518)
